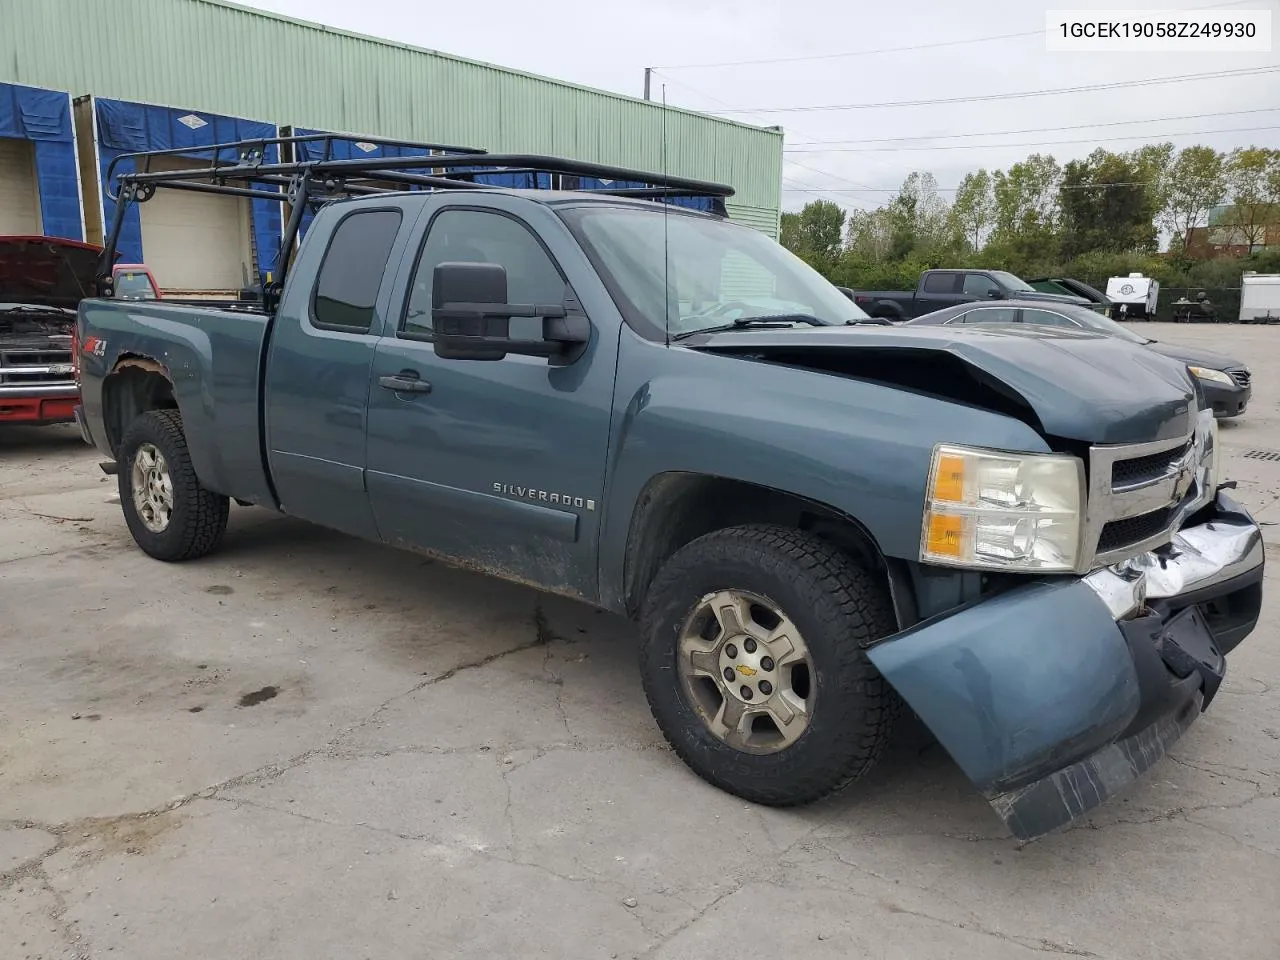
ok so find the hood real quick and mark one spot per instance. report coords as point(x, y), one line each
point(1051, 298)
point(47, 271)
point(1082, 290)
point(1197, 356)
point(1073, 384)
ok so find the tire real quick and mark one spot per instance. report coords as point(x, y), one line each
point(197, 518)
point(836, 607)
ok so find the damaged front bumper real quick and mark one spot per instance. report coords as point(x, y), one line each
point(1054, 695)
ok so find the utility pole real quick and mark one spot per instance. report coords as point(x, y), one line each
point(648, 74)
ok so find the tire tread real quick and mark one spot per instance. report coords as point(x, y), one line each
point(862, 612)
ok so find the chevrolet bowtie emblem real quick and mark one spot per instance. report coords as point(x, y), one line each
point(746, 671)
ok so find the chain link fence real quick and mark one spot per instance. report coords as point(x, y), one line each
point(1193, 304)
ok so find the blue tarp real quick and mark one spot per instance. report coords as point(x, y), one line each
point(342, 147)
point(131, 127)
point(44, 118)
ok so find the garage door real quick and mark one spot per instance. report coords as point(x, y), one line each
point(196, 241)
point(19, 200)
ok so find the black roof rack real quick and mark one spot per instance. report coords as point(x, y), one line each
point(272, 169)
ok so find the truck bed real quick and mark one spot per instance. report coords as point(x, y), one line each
point(213, 356)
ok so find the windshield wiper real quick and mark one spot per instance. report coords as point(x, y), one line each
point(747, 323)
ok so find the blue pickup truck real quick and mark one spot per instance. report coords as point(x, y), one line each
point(1020, 535)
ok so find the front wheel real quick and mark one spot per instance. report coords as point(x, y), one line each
point(753, 661)
point(171, 516)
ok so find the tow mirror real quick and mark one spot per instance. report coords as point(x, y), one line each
point(471, 318)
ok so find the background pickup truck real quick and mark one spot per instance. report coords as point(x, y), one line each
point(1020, 536)
point(946, 288)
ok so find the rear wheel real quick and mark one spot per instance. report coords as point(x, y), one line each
point(171, 516)
point(754, 666)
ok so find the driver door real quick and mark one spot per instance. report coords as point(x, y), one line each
point(497, 464)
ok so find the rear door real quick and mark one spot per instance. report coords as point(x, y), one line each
point(497, 464)
point(939, 288)
point(319, 361)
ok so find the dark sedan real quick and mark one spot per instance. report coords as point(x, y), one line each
point(1226, 382)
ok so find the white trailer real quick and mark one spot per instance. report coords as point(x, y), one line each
point(1133, 297)
point(1260, 298)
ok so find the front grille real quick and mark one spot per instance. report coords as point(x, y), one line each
point(1122, 533)
point(1130, 473)
point(1139, 493)
point(1241, 377)
point(34, 367)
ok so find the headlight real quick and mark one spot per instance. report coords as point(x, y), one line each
point(1217, 376)
point(1003, 511)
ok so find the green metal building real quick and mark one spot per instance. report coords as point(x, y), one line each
point(219, 63)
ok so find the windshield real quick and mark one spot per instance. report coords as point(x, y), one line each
point(134, 286)
point(718, 272)
point(1096, 321)
point(1010, 282)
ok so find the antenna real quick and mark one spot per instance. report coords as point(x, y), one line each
point(666, 239)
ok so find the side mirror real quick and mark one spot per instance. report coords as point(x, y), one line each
point(471, 318)
point(847, 292)
point(995, 293)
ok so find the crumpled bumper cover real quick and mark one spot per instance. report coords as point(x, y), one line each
point(1056, 694)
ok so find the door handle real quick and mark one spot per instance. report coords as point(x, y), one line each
point(406, 381)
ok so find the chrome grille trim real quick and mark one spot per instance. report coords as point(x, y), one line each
point(1184, 487)
point(34, 367)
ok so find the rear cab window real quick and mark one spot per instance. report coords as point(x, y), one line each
point(351, 272)
point(940, 283)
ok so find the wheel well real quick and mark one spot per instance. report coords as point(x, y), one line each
point(888, 310)
point(134, 387)
point(677, 508)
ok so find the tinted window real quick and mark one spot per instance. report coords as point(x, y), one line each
point(470, 236)
point(978, 284)
point(1046, 318)
point(988, 315)
point(940, 283)
point(352, 270)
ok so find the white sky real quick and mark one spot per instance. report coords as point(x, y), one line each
point(608, 45)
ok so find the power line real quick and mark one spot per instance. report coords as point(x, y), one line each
point(1016, 95)
point(797, 163)
point(852, 53)
point(1077, 186)
point(1040, 143)
point(907, 49)
point(803, 147)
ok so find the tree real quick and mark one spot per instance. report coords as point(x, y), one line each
point(1196, 184)
point(917, 216)
point(870, 235)
point(1253, 204)
point(1026, 200)
point(1109, 202)
point(973, 211)
point(815, 234)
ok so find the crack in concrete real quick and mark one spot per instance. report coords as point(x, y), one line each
point(421, 838)
point(1215, 773)
point(65, 832)
point(681, 928)
point(972, 923)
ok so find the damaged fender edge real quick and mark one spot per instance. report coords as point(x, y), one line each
point(1051, 701)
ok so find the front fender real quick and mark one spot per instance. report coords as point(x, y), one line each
point(862, 449)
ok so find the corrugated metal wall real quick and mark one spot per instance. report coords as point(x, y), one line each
point(211, 55)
